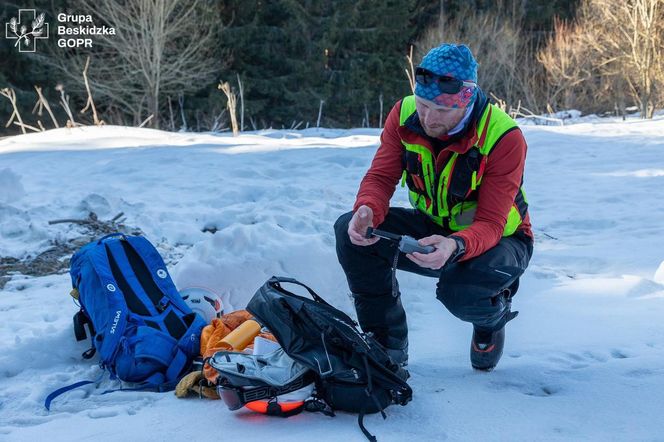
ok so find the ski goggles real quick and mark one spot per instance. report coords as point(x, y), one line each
point(236, 397)
point(263, 399)
point(446, 84)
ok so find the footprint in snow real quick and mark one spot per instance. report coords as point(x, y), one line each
point(535, 388)
point(49, 317)
point(618, 354)
point(639, 373)
point(575, 361)
point(101, 414)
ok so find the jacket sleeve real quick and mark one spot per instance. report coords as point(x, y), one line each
point(500, 183)
point(379, 183)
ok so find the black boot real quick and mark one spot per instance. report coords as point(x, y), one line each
point(486, 348)
point(487, 344)
point(384, 317)
point(399, 356)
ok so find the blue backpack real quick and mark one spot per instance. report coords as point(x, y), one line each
point(142, 329)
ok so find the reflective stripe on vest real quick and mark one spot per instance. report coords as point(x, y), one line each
point(435, 194)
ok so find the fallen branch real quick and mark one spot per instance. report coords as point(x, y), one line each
point(532, 115)
point(97, 227)
point(65, 104)
point(43, 103)
point(91, 219)
point(232, 104)
point(147, 120)
point(170, 111)
point(27, 126)
point(216, 125)
point(239, 83)
point(90, 102)
point(380, 113)
point(181, 104)
point(499, 102)
point(320, 113)
point(11, 96)
point(55, 259)
point(410, 71)
point(549, 236)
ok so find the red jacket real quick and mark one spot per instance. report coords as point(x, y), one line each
point(500, 183)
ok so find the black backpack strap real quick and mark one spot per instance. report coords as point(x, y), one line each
point(80, 320)
point(273, 409)
point(462, 175)
point(369, 392)
point(318, 405)
point(276, 281)
point(360, 422)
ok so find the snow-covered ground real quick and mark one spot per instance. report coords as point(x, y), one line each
point(584, 359)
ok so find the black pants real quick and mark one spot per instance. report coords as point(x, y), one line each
point(478, 290)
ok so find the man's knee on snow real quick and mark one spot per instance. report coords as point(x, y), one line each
point(473, 304)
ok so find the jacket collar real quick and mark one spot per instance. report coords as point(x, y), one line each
point(413, 133)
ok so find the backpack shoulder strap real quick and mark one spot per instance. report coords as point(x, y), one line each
point(276, 281)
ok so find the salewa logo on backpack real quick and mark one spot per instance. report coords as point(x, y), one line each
point(115, 321)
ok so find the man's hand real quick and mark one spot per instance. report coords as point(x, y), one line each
point(445, 247)
point(357, 227)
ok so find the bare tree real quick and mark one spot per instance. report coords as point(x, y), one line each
point(568, 63)
point(626, 38)
point(161, 48)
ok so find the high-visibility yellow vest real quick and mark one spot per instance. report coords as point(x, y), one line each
point(449, 198)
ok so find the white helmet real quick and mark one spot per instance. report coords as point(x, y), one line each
point(203, 301)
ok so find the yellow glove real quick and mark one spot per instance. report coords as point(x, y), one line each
point(195, 383)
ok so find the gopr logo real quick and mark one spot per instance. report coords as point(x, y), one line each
point(17, 29)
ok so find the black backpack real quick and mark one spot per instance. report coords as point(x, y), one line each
point(354, 373)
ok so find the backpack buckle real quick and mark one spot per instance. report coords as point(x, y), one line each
point(89, 353)
point(163, 304)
